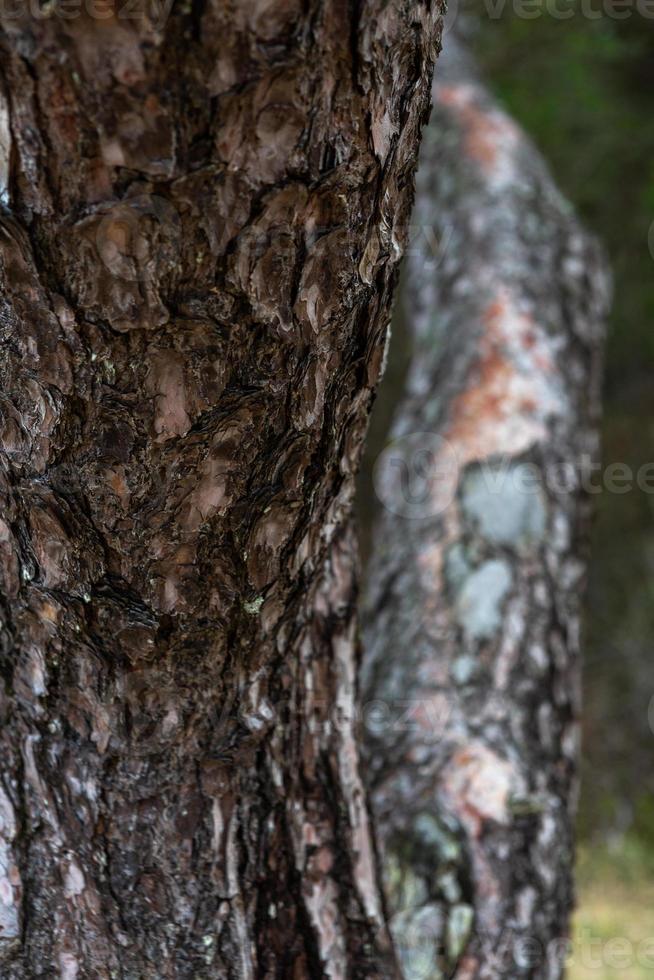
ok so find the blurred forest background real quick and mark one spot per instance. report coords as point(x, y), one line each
point(582, 85)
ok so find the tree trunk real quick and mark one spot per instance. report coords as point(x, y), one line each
point(472, 614)
point(204, 216)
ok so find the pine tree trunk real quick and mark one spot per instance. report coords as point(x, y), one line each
point(203, 216)
point(472, 614)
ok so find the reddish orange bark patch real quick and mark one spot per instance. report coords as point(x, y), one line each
point(483, 131)
point(483, 402)
point(468, 968)
point(496, 411)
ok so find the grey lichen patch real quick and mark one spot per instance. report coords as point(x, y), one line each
point(506, 504)
point(433, 834)
point(449, 887)
point(5, 149)
point(463, 669)
point(479, 603)
point(457, 567)
point(418, 936)
point(253, 606)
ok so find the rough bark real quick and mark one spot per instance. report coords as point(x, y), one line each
point(203, 216)
point(472, 612)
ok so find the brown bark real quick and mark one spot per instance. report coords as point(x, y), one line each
point(204, 216)
point(472, 614)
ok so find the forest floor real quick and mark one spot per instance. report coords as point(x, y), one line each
point(614, 923)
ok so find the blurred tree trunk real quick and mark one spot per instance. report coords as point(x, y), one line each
point(472, 614)
point(203, 216)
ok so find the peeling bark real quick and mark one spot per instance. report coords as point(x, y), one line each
point(472, 613)
point(203, 218)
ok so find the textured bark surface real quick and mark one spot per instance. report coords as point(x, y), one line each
point(471, 625)
point(203, 216)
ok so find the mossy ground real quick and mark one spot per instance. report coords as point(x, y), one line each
point(614, 924)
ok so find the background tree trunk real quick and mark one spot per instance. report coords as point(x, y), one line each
point(204, 216)
point(472, 613)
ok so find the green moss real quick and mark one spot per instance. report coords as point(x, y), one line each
point(616, 898)
point(459, 925)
